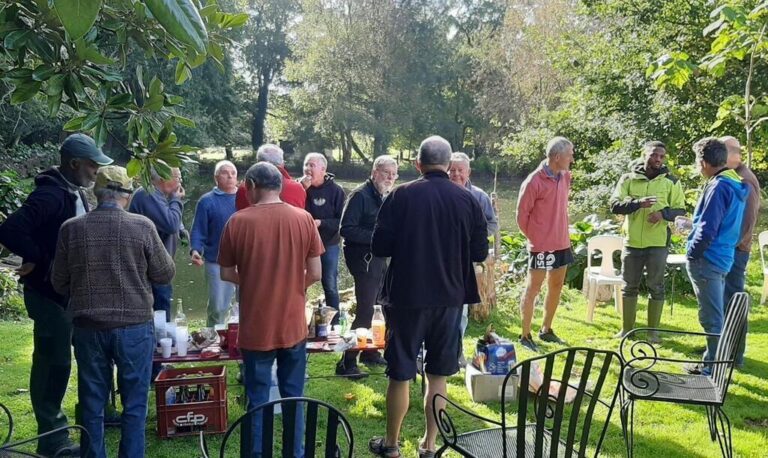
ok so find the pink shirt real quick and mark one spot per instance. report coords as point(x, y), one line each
point(542, 210)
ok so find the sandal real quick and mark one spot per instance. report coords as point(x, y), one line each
point(377, 447)
point(424, 453)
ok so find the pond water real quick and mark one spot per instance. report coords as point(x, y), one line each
point(189, 284)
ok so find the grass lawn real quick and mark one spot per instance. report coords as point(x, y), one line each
point(662, 430)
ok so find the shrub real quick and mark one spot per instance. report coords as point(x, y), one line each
point(12, 193)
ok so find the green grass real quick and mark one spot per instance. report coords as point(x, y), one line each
point(662, 430)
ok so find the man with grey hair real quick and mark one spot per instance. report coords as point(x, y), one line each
point(734, 281)
point(272, 251)
point(211, 214)
point(325, 202)
point(292, 194)
point(357, 222)
point(105, 262)
point(542, 216)
point(433, 231)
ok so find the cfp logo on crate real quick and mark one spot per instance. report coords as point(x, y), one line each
point(190, 419)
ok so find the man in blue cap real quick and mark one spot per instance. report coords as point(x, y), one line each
point(32, 233)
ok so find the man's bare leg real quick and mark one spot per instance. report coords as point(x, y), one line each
point(555, 280)
point(436, 384)
point(532, 288)
point(398, 398)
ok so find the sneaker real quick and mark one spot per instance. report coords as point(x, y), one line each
point(697, 369)
point(352, 372)
point(550, 336)
point(462, 361)
point(527, 342)
point(377, 447)
point(620, 334)
point(372, 358)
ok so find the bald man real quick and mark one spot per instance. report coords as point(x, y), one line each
point(734, 281)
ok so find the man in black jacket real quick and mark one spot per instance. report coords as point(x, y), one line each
point(325, 202)
point(433, 231)
point(357, 223)
point(32, 233)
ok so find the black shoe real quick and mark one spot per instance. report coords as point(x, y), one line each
point(67, 449)
point(527, 342)
point(111, 417)
point(550, 336)
point(372, 358)
point(350, 372)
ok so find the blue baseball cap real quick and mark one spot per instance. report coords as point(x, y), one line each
point(83, 146)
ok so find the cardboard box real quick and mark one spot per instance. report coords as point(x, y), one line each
point(486, 387)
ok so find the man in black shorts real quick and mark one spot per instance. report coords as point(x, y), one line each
point(433, 231)
point(542, 215)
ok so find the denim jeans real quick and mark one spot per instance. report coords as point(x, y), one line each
point(709, 285)
point(51, 366)
point(330, 279)
point(220, 294)
point(131, 348)
point(291, 368)
point(163, 294)
point(734, 283)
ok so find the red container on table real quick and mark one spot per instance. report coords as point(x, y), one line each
point(195, 415)
point(232, 331)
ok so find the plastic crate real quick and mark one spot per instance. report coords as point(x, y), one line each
point(189, 418)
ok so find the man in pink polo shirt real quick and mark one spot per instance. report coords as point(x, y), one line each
point(542, 215)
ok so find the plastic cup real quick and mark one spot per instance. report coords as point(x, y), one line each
point(170, 331)
point(165, 345)
point(182, 339)
point(362, 337)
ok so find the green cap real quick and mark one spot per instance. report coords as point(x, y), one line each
point(113, 177)
point(83, 146)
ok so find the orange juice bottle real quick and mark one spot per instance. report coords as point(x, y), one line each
point(378, 326)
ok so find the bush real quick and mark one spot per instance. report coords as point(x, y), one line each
point(12, 193)
point(11, 302)
point(28, 160)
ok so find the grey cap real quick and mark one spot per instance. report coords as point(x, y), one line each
point(83, 146)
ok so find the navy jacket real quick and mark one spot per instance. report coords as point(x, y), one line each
point(326, 203)
point(433, 231)
point(32, 231)
point(165, 213)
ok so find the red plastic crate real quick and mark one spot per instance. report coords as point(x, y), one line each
point(184, 419)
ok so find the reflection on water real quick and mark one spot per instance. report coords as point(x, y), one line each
point(189, 283)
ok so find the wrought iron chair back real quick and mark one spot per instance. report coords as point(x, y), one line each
point(570, 430)
point(730, 339)
point(17, 448)
point(320, 419)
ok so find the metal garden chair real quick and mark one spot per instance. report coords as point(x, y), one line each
point(641, 380)
point(324, 428)
point(570, 415)
point(19, 448)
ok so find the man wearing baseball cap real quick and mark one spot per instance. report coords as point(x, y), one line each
point(105, 262)
point(32, 233)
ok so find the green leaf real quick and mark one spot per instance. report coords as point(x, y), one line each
point(17, 39)
point(100, 132)
point(712, 27)
point(77, 16)
point(54, 103)
point(90, 121)
point(181, 19)
point(154, 103)
point(186, 122)
point(120, 100)
point(229, 21)
point(74, 124)
point(133, 167)
point(24, 92)
point(89, 52)
point(155, 86)
point(21, 74)
point(43, 72)
point(182, 72)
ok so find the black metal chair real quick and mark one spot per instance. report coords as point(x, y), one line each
point(18, 448)
point(642, 379)
point(560, 428)
point(333, 424)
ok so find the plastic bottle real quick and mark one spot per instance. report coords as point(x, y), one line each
point(378, 326)
point(181, 319)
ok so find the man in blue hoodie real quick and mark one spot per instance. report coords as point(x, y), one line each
point(716, 232)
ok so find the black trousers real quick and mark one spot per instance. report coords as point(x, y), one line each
point(368, 272)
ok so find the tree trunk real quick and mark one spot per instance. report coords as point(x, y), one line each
point(260, 114)
point(352, 143)
point(346, 154)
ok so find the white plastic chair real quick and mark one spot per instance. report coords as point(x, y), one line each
point(605, 274)
point(762, 241)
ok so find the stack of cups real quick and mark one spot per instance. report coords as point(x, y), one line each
point(159, 319)
point(182, 338)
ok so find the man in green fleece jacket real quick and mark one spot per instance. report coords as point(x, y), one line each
point(650, 197)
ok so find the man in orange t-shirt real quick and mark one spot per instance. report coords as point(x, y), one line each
point(272, 250)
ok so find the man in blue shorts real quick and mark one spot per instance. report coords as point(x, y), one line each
point(433, 231)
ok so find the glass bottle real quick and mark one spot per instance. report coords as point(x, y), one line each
point(181, 319)
point(378, 326)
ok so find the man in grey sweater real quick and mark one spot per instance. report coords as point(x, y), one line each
point(105, 263)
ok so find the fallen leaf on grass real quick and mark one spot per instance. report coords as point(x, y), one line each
point(349, 396)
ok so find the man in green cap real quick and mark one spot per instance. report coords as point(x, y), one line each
point(105, 263)
point(32, 233)
point(651, 198)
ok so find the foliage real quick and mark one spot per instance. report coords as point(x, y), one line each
point(26, 160)
point(12, 193)
point(75, 56)
point(11, 301)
